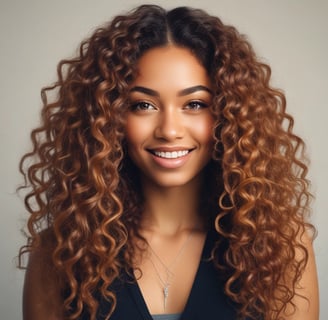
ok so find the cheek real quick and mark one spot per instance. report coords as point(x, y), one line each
point(204, 130)
point(136, 131)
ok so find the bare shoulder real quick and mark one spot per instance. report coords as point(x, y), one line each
point(307, 298)
point(41, 294)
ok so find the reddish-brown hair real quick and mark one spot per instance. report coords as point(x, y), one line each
point(84, 203)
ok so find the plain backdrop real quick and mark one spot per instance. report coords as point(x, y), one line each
point(290, 35)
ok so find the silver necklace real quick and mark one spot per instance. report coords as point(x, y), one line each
point(168, 269)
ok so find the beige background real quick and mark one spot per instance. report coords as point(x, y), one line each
point(291, 35)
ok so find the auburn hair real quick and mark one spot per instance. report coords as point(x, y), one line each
point(83, 196)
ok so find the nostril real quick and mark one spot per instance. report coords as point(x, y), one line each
point(169, 127)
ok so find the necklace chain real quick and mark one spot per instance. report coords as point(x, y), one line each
point(168, 269)
point(164, 284)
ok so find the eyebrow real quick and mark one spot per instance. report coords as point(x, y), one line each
point(181, 93)
point(193, 89)
point(145, 90)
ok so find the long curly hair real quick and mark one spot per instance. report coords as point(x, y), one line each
point(84, 202)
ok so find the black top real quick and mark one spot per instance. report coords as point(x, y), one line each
point(206, 300)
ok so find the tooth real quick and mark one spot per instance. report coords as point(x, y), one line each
point(171, 155)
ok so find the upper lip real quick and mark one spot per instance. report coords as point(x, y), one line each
point(169, 149)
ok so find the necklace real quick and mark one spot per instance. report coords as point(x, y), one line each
point(168, 269)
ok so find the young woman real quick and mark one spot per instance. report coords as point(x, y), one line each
point(166, 181)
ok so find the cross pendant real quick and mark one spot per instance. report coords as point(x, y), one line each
point(166, 294)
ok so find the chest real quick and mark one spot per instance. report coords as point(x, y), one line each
point(206, 299)
point(165, 284)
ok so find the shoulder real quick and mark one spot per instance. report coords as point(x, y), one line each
point(306, 300)
point(41, 294)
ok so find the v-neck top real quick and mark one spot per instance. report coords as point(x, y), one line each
point(206, 299)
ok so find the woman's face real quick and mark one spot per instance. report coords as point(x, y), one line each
point(169, 123)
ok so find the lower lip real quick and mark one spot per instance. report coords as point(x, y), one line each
point(169, 163)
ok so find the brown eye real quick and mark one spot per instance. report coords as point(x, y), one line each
point(142, 106)
point(196, 105)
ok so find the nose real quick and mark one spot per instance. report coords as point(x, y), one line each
point(170, 125)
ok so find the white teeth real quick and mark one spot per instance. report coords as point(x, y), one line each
point(171, 155)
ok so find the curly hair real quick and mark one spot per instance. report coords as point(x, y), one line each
point(84, 202)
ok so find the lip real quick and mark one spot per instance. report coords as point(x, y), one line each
point(176, 158)
point(169, 149)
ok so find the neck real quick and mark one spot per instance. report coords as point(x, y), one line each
point(172, 210)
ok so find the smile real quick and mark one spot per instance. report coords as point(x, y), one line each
point(171, 155)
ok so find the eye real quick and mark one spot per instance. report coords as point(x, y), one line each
point(196, 105)
point(142, 106)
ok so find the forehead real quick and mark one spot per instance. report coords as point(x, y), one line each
point(170, 67)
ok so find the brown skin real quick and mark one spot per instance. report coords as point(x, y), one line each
point(307, 309)
point(169, 111)
point(170, 121)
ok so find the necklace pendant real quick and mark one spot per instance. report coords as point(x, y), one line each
point(166, 294)
point(166, 291)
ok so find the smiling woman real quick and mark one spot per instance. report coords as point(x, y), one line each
point(166, 181)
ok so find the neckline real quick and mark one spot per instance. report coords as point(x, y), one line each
point(137, 293)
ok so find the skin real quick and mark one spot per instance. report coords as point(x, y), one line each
point(170, 117)
point(164, 117)
point(170, 113)
point(307, 299)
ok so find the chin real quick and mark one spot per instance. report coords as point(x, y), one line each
point(172, 180)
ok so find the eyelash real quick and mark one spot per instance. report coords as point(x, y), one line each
point(144, 106)
point(196, 105)
point(141, 106)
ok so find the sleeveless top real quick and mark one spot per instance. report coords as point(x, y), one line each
point(206, 299)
